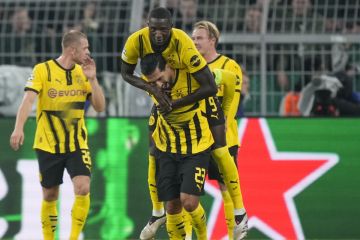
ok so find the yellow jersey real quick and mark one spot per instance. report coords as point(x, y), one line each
point(226, 82)
point(60, 107)
point(223, 62)
point(180, 52)
point(184, 130)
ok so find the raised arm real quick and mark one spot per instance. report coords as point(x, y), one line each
point(207, 88)
point(97, 97)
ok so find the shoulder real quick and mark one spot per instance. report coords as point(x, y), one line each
point(228, 60)
point(132, 42)
point(222, 74)
point(232, 65)
point(226, 72)
point(43, 66)
point(135, 35)
point(180, 35)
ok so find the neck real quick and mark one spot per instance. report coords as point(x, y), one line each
point(65, 61)
point(211, 55)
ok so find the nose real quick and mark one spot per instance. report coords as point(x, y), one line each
point(158, 34)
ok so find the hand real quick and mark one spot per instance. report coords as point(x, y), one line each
point(164, 102)
point(89, 68)
point(16, 139)
point(163, 110)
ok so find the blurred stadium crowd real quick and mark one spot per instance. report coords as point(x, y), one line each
point(299, 57)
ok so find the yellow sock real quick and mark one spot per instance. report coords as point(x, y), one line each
point(175, 226)
point(158, 207)
point(229, 213)
point(229, 171)
point(199, 222)
point(48, 219)
point(187, 222)
point(78, 215)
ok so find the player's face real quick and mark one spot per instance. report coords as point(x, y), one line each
point(202, 41)
point(82, 52)
point(159, 31)
point(162, 79)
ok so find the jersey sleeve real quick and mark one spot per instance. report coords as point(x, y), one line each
point(236, 69)
point(130, 53)
point(190, 55)
point(228, 80)
point(36, 79)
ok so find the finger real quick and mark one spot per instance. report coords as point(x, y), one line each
point(14, 145)
point(21, 140)
point(12, 142)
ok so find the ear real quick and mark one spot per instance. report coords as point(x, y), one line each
point(73, 51)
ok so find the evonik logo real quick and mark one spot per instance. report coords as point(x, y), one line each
point(53, 93)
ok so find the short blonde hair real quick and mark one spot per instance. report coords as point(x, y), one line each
point(211, 29)
point(71, 37)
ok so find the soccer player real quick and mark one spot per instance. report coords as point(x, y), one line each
point(182, 141)
point(175, 46)
point(179, 52)
point(229, 179)
point(61, 87)
point(206, 36)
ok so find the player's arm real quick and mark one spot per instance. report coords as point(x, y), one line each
point(228, 81)
point(97, 97)
point(207, 88)
point(127, 72)
point(17, 136)
point(236, 69)
point(198, 68)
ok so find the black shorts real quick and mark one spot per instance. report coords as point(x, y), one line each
point(176, 173)
point(214, 173)
point(214, 112)
point(51, 166)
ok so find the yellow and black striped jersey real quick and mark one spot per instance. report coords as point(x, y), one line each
point(223, 62)
point(60, 107)
point(226, 82)
point(184, 130)
point(180, 52)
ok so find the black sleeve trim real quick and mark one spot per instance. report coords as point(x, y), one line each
point(123, 61)
point(31, 89)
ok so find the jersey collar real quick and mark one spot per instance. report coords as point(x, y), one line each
point(58, 64)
